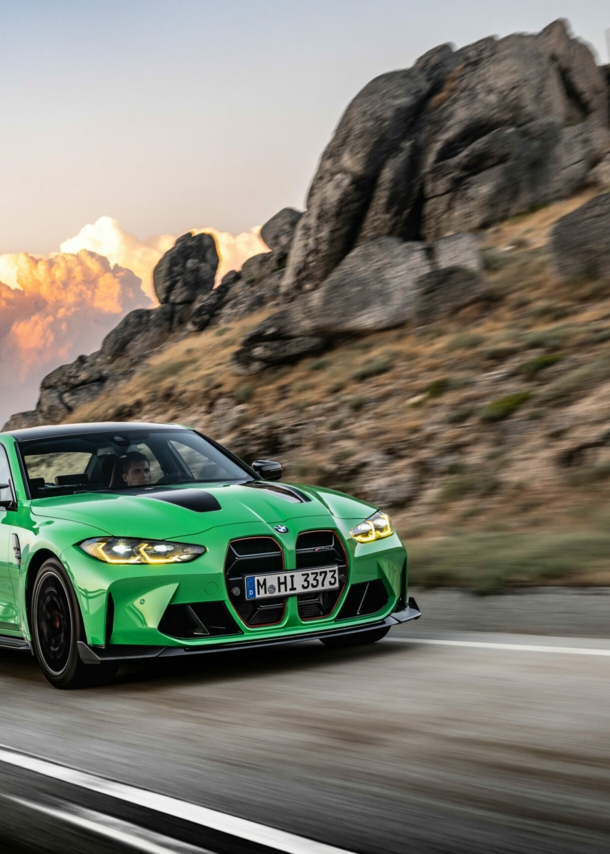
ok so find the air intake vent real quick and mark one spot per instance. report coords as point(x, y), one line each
point(254, 556)
point(198, 620)
point(318, 549)
point(369, 597)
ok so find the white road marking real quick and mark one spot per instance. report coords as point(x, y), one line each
point(121, 832)
point(279, 840)
point(521, 647)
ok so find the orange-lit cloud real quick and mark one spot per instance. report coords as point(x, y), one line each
point(107, 238)
point(54, 308)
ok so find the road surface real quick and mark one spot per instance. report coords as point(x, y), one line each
point(425, 742)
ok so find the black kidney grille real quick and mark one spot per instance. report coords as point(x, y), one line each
point(365, 598)
point(198, 620)
point(320, 549)
point(254, 556)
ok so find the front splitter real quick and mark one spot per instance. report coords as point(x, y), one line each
point(100, 654)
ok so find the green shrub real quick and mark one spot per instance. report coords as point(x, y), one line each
point(373, 368)
point(244, 393)
point(469, 483)
point(578, 381)
point(589, 474)
point(465, 341)
point(548, 339)
point(439, 387)
point(504, 407)
point(459, 415)
point(336, 424)
point(491, 562)
point(499, 352)
point(357, 402)
point(319, 364)
point(532, 367)
point(550, 309)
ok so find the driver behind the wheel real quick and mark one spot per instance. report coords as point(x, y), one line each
point(135, 469)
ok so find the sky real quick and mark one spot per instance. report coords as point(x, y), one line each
point(170, 115)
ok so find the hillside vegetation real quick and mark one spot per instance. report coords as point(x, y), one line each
point(487, 437)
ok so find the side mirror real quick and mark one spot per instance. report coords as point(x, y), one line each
point(268, 469)
point(7, 503)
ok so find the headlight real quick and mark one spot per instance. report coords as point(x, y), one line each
point(125, 550)
point(376, 527)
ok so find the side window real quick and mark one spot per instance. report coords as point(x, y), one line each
point(201, 467)
point(5, 476)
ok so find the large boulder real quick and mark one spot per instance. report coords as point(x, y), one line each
point(580, 241)
point(463, 139)
point(443, 292)
point(259, 266)
point(373, 288)
point(275, 341)
point(138, 332)
point(458, 250)
point(278, 232)
point(186, 270)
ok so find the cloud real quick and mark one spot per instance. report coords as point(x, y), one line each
point(54, 308)
point(107, 238)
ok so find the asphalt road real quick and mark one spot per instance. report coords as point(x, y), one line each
point(478, 743)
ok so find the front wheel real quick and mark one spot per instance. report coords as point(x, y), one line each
point(56, 630)
point(356, 640)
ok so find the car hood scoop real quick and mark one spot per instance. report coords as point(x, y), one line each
point(190, 499)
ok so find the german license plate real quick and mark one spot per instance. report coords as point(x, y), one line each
point(290, 583)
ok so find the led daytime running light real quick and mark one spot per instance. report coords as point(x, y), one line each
point(125, 550)
point(376, 527)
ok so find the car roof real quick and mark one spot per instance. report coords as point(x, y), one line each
point(55, 431)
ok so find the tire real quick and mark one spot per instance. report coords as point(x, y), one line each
point(363, 639)
point(57, 627)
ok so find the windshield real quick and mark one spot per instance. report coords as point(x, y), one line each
point(96, 461)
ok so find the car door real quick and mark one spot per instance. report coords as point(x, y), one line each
point(9, 614)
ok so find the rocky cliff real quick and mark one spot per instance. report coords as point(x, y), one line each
point(421, 159)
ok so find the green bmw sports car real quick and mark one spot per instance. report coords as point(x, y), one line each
point(135, 541)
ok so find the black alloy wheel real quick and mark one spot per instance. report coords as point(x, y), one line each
point(56, 629)
point(356, 640)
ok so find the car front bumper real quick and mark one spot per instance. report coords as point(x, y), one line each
point(94, 654)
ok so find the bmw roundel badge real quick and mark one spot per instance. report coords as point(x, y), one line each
point(281, 529)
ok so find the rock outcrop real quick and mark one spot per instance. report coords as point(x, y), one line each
point(580, 241)
point(278, 232)
point(186, 270)
point(462, 140)
point(381, 284)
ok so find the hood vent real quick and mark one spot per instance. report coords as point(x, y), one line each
point(288, 493)
point(191, 499)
